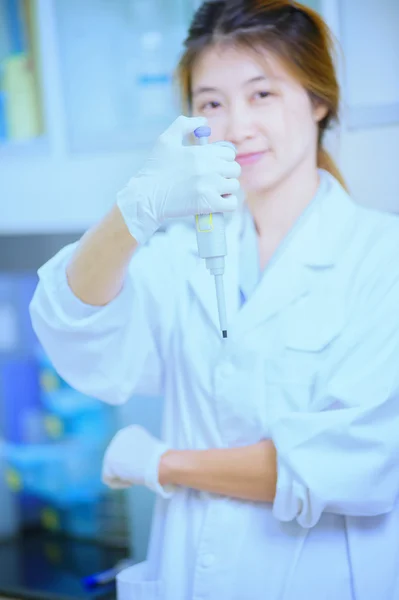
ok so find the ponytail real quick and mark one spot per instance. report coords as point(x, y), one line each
point(324, 161)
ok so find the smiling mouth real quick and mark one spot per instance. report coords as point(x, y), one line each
point(251, 158)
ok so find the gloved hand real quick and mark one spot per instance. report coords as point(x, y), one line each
point(132, 457)
point(179, 181)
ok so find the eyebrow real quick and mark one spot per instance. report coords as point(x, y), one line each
point(204, 89)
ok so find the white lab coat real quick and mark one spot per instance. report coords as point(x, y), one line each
point(312, 362)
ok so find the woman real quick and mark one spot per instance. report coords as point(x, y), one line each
point(278, 471)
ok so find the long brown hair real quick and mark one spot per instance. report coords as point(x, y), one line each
point(295, 33)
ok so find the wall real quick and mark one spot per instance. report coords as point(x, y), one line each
point(368, 156)
point(63, 193)
point(370, 160)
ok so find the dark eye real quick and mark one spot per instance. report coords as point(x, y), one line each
point(211, 105)
point(262, 94)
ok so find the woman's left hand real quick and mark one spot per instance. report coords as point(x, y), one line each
point(132, 458)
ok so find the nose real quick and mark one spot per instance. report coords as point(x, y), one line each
point(240, 125)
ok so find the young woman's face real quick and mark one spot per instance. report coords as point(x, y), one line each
point(259, 107)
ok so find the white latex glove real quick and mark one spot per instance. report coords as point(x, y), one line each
point(180, 181)
point(132, 458)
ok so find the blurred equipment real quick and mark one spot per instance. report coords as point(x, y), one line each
point(20, 111)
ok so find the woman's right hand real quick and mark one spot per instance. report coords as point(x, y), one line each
point(180, 181)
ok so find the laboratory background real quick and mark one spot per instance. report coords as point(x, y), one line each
point(86, 86)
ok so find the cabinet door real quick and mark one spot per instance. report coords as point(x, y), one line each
point(100, 105)
point(372, 61)
point(117, 62)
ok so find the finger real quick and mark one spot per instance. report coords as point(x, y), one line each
point(229, 169)
point(223, 145)
point(118, 484)
point(182, 126)
point(220, 204)
point(225, 152)
point(110, 479)
point(227, 186)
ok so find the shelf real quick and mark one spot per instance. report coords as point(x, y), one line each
point(130, 140)
point(35, 147)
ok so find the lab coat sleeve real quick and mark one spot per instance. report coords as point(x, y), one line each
point(109, 352)
point(344, 459)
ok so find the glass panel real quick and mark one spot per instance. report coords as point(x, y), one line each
point(315, 4)
point(117, 63)
point(20, 102)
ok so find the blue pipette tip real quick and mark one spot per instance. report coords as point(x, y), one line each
point(90, 582)
point(203, 131)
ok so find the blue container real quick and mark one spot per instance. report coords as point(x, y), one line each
point(20, 393)
point(3, 118)
point(63, 475)
point(14, 17)
point(24, 286)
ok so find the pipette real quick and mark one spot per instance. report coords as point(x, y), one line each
point(211, 240)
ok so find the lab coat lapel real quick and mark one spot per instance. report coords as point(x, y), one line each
point(280, 285)
point(309, 254)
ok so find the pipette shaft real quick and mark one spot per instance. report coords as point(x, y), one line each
point(211, 240)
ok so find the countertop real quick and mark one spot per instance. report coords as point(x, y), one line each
point(40, 566)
